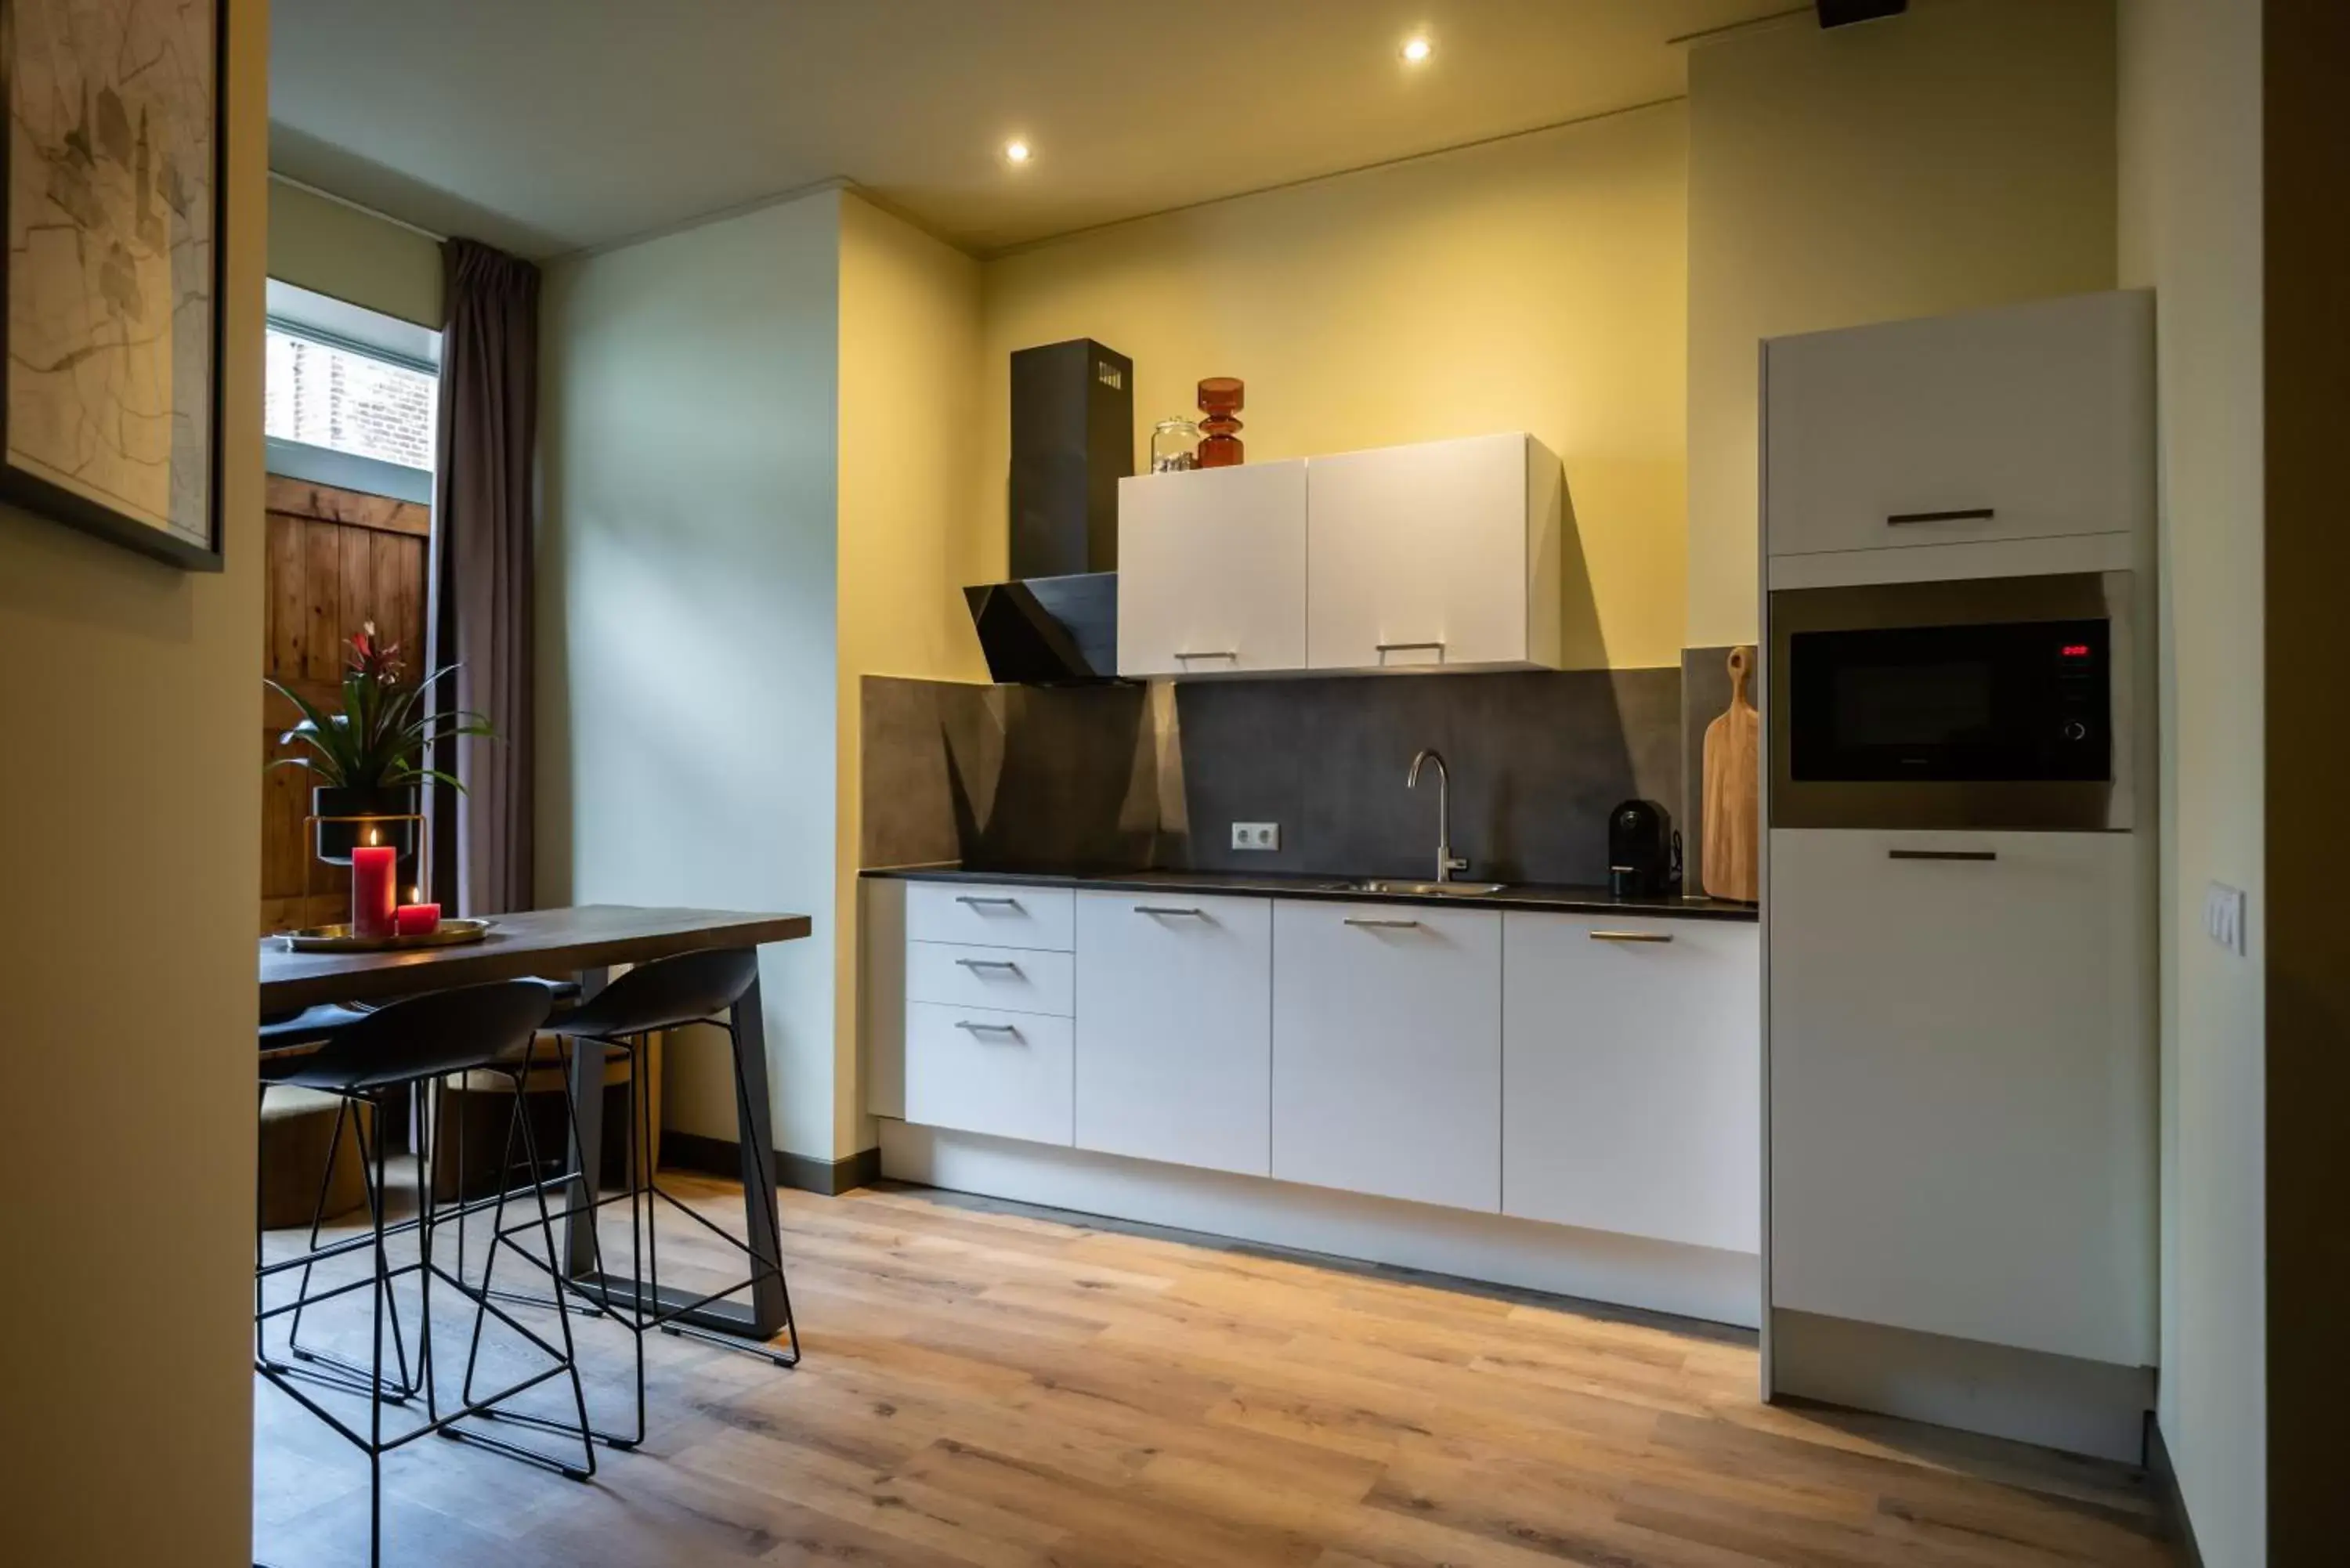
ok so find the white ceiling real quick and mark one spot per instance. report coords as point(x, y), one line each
point(555, 125)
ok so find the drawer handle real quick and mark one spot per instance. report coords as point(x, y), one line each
point(1941, 855)
point(1004, 1029)
point(1971, 514)
point(1172, 910)
point(1384, 925)
point(1004, 964)
point(988, 903)
point(1386, 648)
point(1631, 936)
point(1231, 653)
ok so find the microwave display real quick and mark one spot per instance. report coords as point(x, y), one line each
point(2019, 701)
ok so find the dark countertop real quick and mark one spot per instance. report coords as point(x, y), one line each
point(1529, 896)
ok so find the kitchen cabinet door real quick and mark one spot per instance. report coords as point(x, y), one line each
point(981, 1071)
point(1174, 1041)
point(2031, 422)
point(1212, 571)
point(1442, 553)
point(1386, 1050)
point(1632, 1076)
point(1962, 1086)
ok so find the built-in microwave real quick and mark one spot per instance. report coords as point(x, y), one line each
point(1992, 703)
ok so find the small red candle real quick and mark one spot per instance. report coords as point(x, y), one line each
point(417, 920)
point(373, 865)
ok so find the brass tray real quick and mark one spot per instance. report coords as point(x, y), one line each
point(341, 938)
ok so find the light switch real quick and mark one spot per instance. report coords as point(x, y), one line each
point(2223, 916)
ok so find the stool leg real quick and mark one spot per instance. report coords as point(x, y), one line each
point(375, 1403)
point(555, 1268)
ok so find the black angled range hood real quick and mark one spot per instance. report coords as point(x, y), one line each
point(1056, 623)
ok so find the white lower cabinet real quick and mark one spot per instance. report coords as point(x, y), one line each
point(1963, 1086)
point(1174, 1039)
point(1632, 1070)
point(1386, 1050)
point(979, 1070)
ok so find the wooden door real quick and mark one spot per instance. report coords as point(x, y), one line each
point(338, 560)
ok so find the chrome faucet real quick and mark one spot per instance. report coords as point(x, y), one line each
point(1445, 863)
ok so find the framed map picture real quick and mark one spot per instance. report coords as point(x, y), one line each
point(110, 418)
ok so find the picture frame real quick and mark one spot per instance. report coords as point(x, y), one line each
point(113, 186)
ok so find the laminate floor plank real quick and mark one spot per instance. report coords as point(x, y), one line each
point(987, 1387)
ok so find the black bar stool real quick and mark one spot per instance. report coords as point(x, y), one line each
point(697, 988)
point(399, 1047)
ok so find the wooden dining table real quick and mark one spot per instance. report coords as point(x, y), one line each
point(587, 942)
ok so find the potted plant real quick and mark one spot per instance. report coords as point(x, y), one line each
point(369, 759)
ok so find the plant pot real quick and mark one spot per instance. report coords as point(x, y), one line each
point(395, 809)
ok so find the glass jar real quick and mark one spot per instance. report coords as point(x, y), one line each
point(1174, 446)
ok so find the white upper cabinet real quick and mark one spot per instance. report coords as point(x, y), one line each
point(1386, 1050)
point(1442, 553)
point(1175, 1029)
point(2031, 421)
point(1212, 571)
point(1632, 1052)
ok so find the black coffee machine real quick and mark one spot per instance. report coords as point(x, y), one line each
point(1644, 853)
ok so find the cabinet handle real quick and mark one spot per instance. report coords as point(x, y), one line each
point(994, 903)
point(1004, 964)
point(1232, 654)
point(1941, 855)
point(1631, 936)
point(1170, 910)
point(1384, 925)
point(1006, 1029)
point(1386, 648)
point(1970, 514)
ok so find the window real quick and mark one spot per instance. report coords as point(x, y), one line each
point(331, 395)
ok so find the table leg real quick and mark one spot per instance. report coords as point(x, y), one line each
point(757, 1116)
point(586, 1158)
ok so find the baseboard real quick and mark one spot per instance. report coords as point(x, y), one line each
point(2167, 1491)
point(2054, 1401)
point(800, 1172)
point(1684, 1282)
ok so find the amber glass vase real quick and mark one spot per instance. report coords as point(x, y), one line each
point(1219, 443)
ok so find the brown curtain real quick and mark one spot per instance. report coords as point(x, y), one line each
point(481, 615)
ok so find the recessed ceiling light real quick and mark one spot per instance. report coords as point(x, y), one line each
point(1016, 151)
point(1417, 49)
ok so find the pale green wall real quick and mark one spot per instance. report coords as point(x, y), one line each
point(2192, 218)
point(332, 249)
point(686, 603)
point(129, 703)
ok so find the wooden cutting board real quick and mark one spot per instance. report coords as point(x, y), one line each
point(1734, 751)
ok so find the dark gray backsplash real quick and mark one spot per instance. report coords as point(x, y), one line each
point(1537, 760)
point(1127, 776)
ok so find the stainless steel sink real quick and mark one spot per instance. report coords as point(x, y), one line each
point(1379, 887)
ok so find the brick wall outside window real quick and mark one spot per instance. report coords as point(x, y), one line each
point(345, 401)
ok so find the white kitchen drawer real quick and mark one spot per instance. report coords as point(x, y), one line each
point(1632, 1075)
point(1013, 979)
point(1962, 1086)
point(1386, 1050)
point(978, 915)
point(2031, 422)
point(979, 1070)
point(1174, 1028)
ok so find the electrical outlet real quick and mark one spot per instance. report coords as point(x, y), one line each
point(2223, 916)
point(1256, 836)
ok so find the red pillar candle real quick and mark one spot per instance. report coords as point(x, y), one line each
point(373, 867)
point(417, 920)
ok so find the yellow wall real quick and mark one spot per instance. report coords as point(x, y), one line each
point(1962, 156)
point(910, 429)
point(339, 251)
point(129, 704)
point(1534, 284)
point(2192, 219)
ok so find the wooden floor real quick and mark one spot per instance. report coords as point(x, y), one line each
point(991, 1387)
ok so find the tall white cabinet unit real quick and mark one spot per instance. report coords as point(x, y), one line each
point(1960, 1072)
